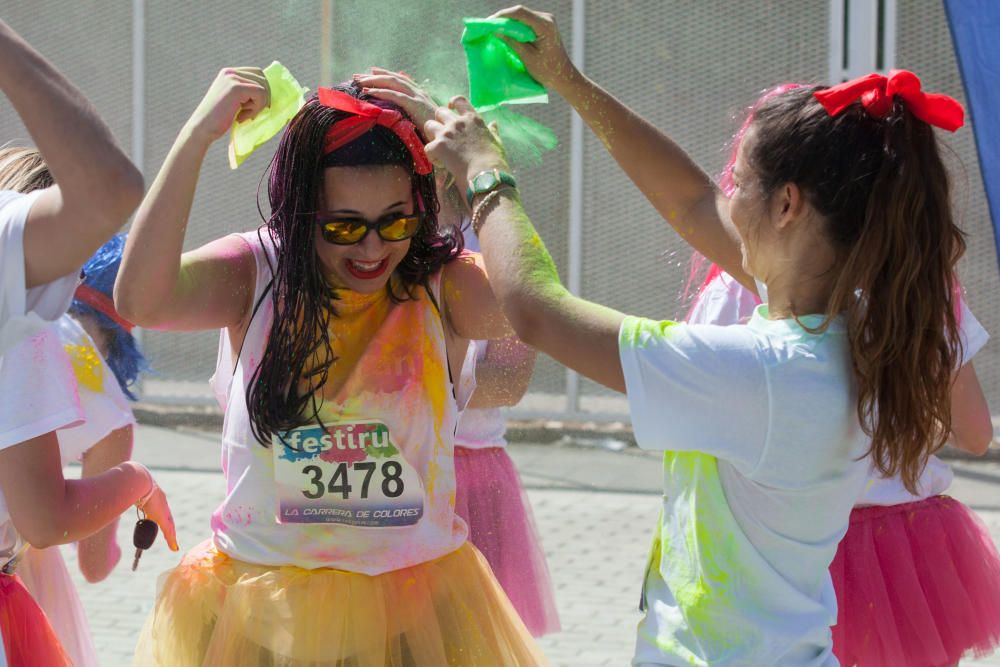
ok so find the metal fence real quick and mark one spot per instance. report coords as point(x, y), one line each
point(690, 66)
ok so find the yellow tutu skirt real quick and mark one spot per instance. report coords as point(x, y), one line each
point(215, 611)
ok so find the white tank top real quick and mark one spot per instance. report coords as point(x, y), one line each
point(373, 489)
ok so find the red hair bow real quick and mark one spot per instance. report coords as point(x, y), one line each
point(876, 93)
point(365, 116)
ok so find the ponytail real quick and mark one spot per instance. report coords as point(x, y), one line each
point(884, 193)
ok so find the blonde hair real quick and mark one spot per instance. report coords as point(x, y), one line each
point(23, 170)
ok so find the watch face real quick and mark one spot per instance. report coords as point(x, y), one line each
point(484, 181)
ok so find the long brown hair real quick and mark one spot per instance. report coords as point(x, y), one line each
point(23, 170)
point(884, 193)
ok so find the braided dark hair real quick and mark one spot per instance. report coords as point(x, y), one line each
point(298, 345)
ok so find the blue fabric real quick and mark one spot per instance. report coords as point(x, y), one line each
point(975, 31)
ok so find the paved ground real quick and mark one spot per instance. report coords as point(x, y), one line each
point(595, 510)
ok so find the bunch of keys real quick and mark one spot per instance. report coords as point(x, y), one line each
point(143, 536)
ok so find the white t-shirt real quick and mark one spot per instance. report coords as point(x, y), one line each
point(40, 395)
point(399, 417)
point(723, 301)
point(761, 445)
point(24, 312)
point(478, 428)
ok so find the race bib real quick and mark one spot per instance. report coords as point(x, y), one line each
point(350, 473)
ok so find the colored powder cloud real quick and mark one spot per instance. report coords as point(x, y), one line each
point(364, 34)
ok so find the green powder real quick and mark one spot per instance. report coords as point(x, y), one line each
point(423, 39)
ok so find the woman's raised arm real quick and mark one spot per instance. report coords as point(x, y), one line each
point(209, 288)
point(683, 194)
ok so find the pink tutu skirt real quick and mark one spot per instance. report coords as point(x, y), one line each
point(917, 584)
point(28, 639)
point(490, 498)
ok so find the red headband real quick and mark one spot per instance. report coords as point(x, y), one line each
point(102, 304)
point(365, 117)
point(876, 93)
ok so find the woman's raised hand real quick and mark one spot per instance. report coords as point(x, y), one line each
point(400, 89)
point(462, 142)
point(546, 57)
point(458, 138)
point(237, 94)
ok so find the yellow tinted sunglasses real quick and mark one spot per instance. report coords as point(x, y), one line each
point(348, 231)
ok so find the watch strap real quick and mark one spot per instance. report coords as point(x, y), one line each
point(499, 178)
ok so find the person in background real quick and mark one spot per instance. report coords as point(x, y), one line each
point(106, 361)
point(45, 237)
point(489, 495)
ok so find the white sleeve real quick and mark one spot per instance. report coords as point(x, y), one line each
point(696, 388)
point(103, 413)
point(971, 333)
point(23, 312)
point(39, 390)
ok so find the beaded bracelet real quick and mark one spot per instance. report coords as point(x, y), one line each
point(477, 213)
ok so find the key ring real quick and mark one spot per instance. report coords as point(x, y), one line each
point(139, 504)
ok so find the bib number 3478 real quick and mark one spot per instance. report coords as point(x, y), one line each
point(348, 473)
point(387, 477)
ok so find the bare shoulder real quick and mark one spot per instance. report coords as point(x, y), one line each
point(469, 304)
point(467, 267)
point(232, 255)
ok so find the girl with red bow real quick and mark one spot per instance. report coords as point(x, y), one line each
point(841, 208)
point(345, 318)
point(917, 576)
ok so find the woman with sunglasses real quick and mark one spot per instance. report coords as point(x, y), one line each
point(489, 495)
point(344, 318)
